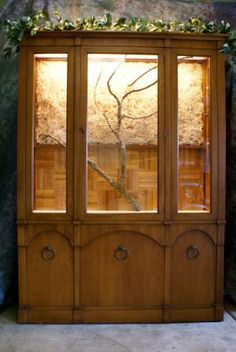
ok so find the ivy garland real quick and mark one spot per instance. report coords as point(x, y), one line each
point(40, 21)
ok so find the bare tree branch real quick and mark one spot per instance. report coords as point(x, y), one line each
point(123, 166)
point(109, 85)
point(45, 136)
point(120, 184)
point(143, 74)
point(140, 117)
point(116, 185)
point(119, 105)
point(116, 133)
point(102, 112)
point(138, 90)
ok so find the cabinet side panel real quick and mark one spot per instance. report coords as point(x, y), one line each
point(221, 135)
point(21, 135)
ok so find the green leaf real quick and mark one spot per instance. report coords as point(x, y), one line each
point(39, 21)
point(120, 22)
point(33, 32)
point(108, 19)
point(224, 27)
point(7, 51)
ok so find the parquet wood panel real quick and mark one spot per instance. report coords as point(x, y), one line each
point(141, 179)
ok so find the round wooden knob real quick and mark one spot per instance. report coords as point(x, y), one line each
point(48, 253)
point(121, 253)
point(192, 252)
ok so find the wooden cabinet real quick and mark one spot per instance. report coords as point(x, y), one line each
point(121, 177)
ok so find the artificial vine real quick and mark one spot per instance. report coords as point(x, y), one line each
point(40, 21)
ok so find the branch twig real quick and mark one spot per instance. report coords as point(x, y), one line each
point(143, 74)
point(138, 90)
point(45, 136)
point(109, 80)
point(140, 117)
point(102, 112)
point(116, 133)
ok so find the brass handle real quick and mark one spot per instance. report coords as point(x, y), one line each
point(192, 252)
point(121, 253)
point(48, 253)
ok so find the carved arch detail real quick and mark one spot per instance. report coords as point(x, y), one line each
point(48, 231)
point(199, 231)
point(129, 232)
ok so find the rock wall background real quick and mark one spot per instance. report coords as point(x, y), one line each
point(165, 9)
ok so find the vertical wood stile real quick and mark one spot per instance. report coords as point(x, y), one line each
point(81, 132)
point(221, 131)
point(167, 294)
point(173, 128)
point(213, 132)
point(167, 129)
point(22, 106)
point(161, 134)
point(77, 135)
point(29, 144)
point(219, 310)
point(70, 133)
point(22, 273)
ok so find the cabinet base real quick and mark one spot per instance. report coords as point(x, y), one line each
point(119, 315)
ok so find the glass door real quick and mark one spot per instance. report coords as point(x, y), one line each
point(194, 130)
point(122, 133)
point(194, 142)
point(50, 132)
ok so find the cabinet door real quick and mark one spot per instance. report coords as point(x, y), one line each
point(50, 270)
point(193, 270)
point(122, 269)
point(194, 135)
point(122, 115)
point(49, 141)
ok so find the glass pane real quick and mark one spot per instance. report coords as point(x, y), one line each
point(122, 133)
point(50, 103)
point(194, 169)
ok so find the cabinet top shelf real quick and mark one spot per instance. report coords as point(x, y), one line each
point(78, 36)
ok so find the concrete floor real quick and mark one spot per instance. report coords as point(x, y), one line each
point(197, 337)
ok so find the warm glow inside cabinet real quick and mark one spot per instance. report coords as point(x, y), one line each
point(121, 177)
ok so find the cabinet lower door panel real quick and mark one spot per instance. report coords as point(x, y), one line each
point(193, 270)
point(122, 270)
point(120, 273)
point(50, 271)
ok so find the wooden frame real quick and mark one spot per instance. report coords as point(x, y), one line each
point(160, 241)
point(212, 214)
point(81, 209)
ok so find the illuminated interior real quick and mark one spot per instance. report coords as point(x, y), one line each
point(50, 107)
point(193, 134)
point(122, 133)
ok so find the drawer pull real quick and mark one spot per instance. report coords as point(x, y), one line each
point(48, 253)
point(192, 252)
point(121, 253)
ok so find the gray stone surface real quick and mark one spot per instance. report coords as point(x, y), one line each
point(194, 337)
